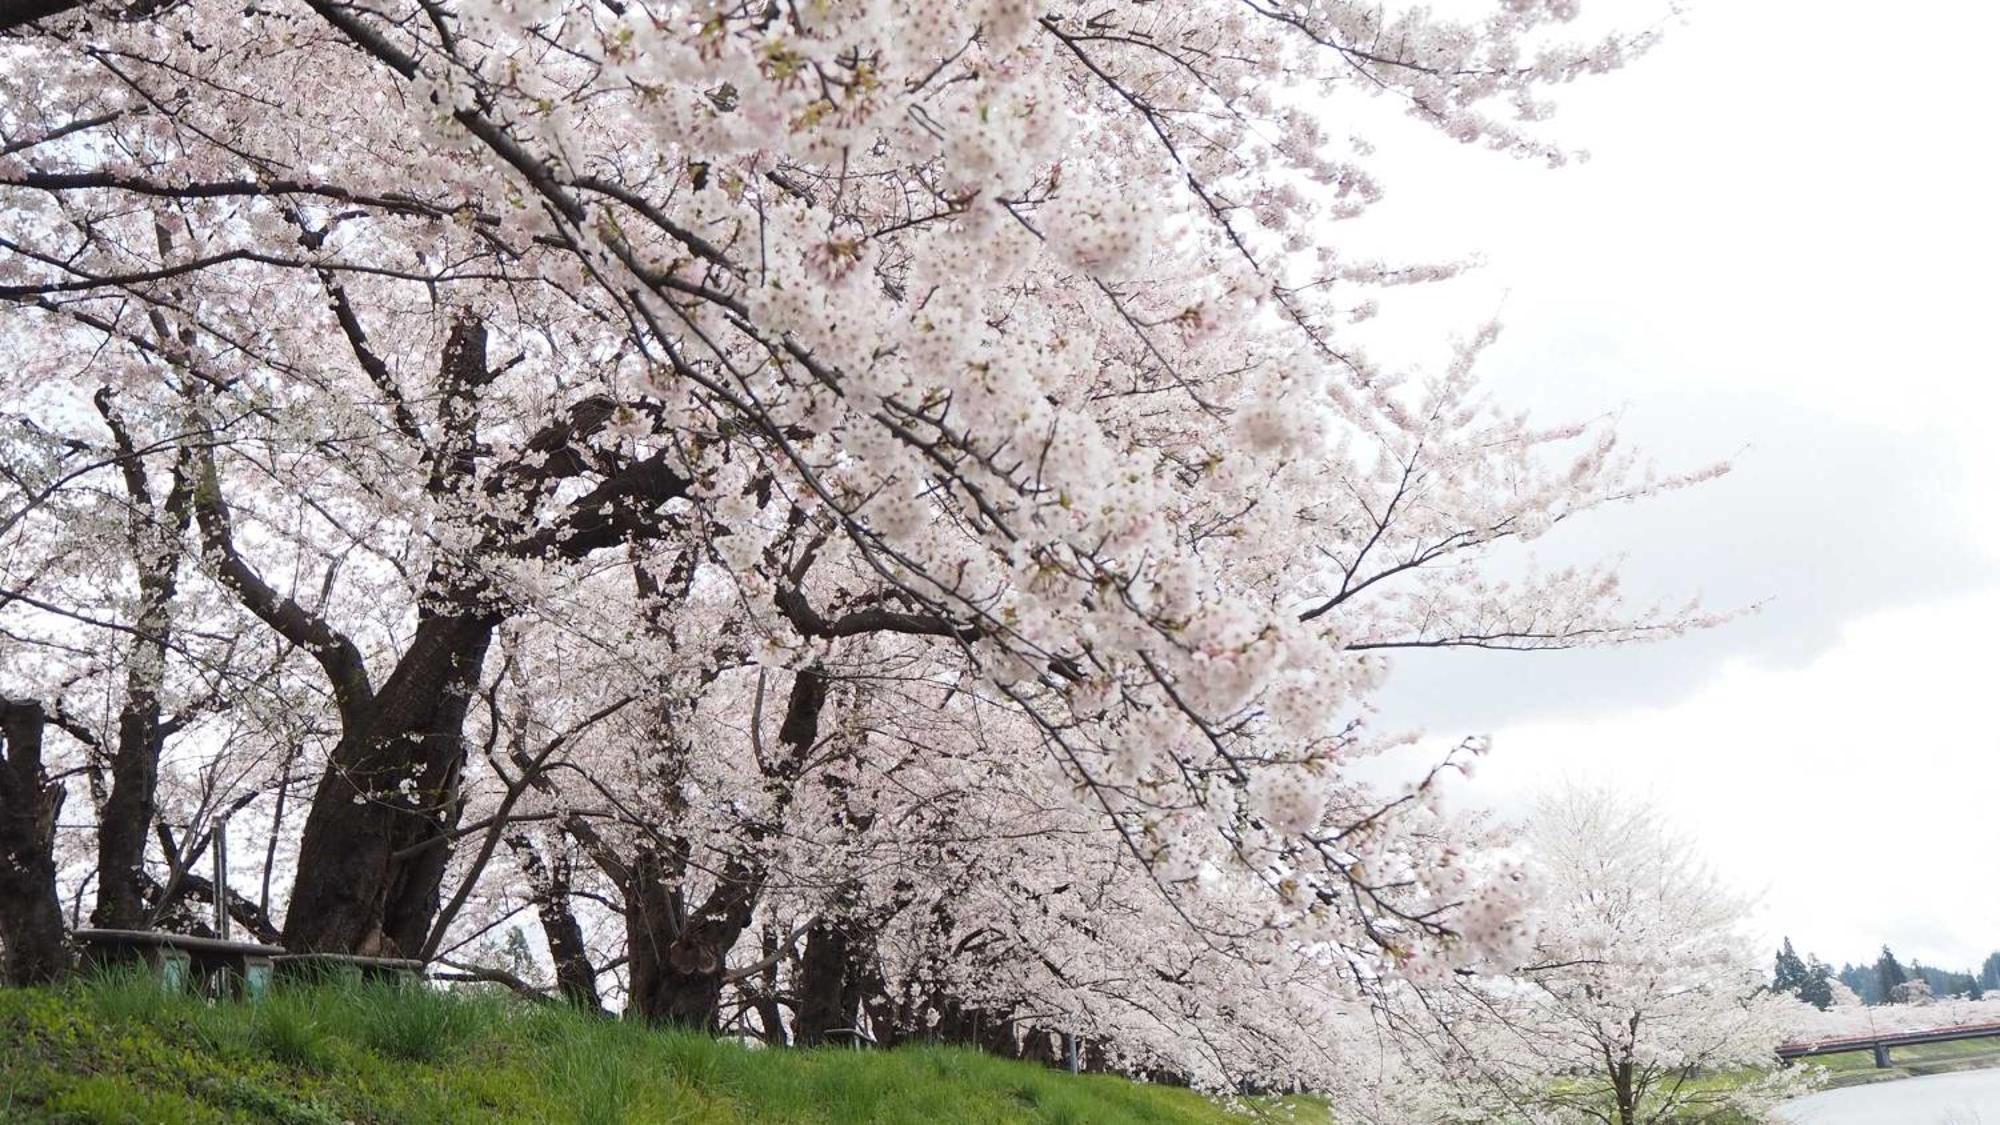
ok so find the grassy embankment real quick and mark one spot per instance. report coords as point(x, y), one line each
point(122, 1052)
point(1857, 1068)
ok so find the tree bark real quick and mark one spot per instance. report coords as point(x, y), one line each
point(31, 922)
point(893, 1020)
point(126, 820)
point(392, 783)
point(769, 1011)
point(838, 979)
point(678, 964)
point(1039, 1044)
point(826, 1002)
point(1621, 1083)
point(1093, 1058)
point(393, 780)
point(576, 978)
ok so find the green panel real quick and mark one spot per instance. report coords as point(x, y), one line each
point(256, 979)
point(173, 971)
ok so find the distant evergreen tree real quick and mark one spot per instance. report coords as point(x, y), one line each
point(1989, 973)
point(1817, 987)
point(1790, 971)
point(1888, 974)
point(1942, 982)
point(1862, 980)
point(1945, 983)
point(1976, 991)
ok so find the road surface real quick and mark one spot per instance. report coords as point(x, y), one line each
point(1969, 1097)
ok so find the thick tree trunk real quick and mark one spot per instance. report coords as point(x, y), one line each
point(363, 884)
point(1621, 1084)
point(1039, 1044)
point(414, 883)
point(576, 977)
point(392, 783)
point(772, 1015)
point(826, 1002)
point(31, 922)
point(126, 820)
point(769, 1011)
point(890, 1019)
point(839, 983)
point(1622, 1074)
point(678, 965)
point(678, 984)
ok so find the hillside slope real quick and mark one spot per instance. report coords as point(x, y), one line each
point(124, 1053)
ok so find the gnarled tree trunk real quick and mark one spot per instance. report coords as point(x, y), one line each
point(31, 923)
point(392, 783)
point(679, 962)
point(364, 884)
point(839, 982)
point(988, 1029)
point(769, 1011)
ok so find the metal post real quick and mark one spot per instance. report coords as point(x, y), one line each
point(220, 849)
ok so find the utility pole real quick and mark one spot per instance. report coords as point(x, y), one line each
point(219, 850)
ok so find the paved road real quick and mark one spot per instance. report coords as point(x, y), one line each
point(1968, 1098)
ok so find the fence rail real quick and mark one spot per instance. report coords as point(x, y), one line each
point(1880, 1042)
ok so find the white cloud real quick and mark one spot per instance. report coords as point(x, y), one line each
point(1783, 248)
point(1858, 795)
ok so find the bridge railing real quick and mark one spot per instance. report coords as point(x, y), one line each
point(1880, 1042)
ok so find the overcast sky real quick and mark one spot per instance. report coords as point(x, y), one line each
point(1780, 255)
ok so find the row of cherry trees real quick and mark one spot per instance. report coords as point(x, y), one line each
point(852, 516)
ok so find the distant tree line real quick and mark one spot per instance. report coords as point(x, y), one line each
point(1886, 980)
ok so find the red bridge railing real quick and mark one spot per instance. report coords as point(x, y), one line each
point(1881, 1041)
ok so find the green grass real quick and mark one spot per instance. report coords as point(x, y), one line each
point(1857, 1068)
point(120, 1052)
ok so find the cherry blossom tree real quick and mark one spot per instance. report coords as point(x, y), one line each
point(98, 643)
point(1847, 1017)
point(1640, 983)
point(914, 462)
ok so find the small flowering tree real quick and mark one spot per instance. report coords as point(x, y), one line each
point(1639, 991)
